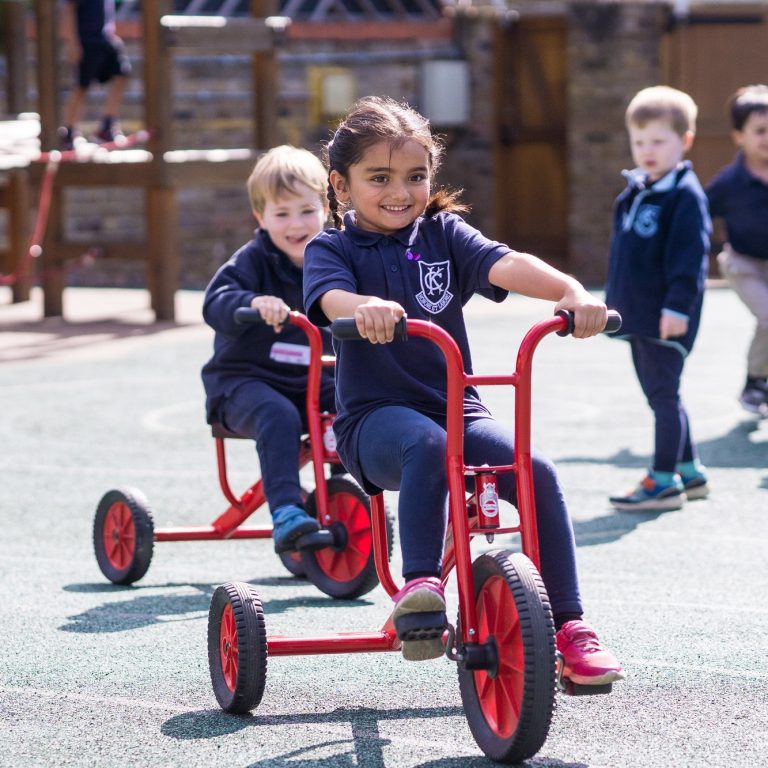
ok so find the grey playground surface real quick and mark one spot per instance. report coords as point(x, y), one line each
point(97, 675)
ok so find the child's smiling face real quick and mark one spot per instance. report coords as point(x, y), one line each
point(388, 188)
point(293, 220)
point(657, 148)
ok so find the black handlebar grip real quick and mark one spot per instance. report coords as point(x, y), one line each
point(612, 325)
point(246, 315)
point(345, 329)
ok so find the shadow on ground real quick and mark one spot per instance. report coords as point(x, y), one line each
point(143, 610)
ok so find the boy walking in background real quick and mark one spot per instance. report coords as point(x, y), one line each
point(739, 194)
point(253, 384)
point(658, 265)
point(93, 47)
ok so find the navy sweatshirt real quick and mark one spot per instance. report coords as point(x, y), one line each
point(255, 352)
point(659, 253)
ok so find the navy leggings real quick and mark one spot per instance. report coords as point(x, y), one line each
point(276, 422)
point(659, 369)
point(402, 449)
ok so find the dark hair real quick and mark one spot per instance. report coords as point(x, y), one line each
point(749, 99)
point(379, 118)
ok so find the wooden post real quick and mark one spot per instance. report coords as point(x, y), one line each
point(15, 44)
point(47, 71)
point(160, 196)
point(46, 19)
point(52, 267)
point(19, 229)
point(265, 84)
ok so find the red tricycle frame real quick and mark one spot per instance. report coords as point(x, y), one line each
point(504, 642)
point(338, 560)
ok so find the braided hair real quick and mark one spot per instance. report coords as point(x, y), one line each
point(379, 118)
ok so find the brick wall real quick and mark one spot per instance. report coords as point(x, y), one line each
point(613, 51)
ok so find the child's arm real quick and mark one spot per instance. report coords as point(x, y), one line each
point(527, 275)
point(375, 317)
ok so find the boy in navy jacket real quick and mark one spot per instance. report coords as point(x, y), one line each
point(657, 269)
point(253, 383)
point(739, 195)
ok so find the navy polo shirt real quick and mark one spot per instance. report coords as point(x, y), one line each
point(741, 199)
point(431, 268)
point(255, 352)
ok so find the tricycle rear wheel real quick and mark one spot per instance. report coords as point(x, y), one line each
point(509, 707)
point(237, 647)
point(123, 535)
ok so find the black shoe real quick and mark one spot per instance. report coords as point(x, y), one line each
point(109, 135)
point(754, 398)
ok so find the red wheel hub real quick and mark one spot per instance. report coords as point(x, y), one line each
point(228, 651)
point(344, 565)
point(500, 695)
point(119, 536)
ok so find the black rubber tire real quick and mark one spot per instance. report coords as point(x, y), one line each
point(123, 535)
point(349, 571)
point(238, 672)
point(511, 598)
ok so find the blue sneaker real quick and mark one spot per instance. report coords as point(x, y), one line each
point(288, 523)
point(694, 480)
point(653, 494)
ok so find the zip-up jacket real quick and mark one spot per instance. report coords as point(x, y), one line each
point(254, 351)
point(659, 253)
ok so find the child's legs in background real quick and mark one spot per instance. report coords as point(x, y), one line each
point(659, 368)
point(401, 449)
point(486, 441)
point(749, 279)
point(275, 422)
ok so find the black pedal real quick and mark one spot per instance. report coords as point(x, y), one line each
point(421, 626)
point(575, 689)
point(315, 540)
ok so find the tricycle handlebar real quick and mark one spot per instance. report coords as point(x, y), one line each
point(345, 328)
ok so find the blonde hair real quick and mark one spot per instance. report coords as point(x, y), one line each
point(279, 171)
point(660, 102)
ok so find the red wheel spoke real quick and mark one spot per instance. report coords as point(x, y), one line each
point(228, 648)
point(119, 535)
point(501, 696)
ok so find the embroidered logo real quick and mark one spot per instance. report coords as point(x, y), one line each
point(435, 279)
point(647, 220)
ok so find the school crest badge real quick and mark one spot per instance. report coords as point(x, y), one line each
point(435, 277)
point(647, 220)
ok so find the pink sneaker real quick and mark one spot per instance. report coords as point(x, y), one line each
point(419, 618)
point(586, 661)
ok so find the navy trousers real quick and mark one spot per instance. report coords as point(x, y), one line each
point(402, 449)
point(659, 369)
point(276, 422)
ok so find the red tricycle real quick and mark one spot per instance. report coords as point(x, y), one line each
point(339, 559)
point(504, 640)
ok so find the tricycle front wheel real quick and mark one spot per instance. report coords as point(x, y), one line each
point(509, 707)
point(237, 647)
